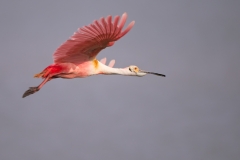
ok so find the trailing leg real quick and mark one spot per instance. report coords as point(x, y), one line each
point(47, 74)
point(32, 90)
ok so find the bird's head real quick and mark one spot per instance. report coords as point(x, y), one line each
point(134, 70)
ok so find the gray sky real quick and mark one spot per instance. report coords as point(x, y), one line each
point(192, 114)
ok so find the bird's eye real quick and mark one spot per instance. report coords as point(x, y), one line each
point(130, 70)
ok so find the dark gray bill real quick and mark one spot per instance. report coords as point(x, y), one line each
point(157, 74)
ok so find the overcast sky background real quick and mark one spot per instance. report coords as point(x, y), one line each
point(192, 114)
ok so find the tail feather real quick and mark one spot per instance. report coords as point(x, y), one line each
point(39, 75)
point(52, 69)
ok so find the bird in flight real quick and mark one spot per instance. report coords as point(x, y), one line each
point(76, 58)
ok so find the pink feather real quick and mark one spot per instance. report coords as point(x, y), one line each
point(88, 41)
point(104, 60)
point(111, 63)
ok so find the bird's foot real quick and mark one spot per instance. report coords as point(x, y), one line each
point(31, 90)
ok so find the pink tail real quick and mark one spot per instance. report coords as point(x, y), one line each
point(50, 71)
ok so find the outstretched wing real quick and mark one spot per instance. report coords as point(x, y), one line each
point(89, 40)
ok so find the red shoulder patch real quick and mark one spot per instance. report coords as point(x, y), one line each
point(50, 70)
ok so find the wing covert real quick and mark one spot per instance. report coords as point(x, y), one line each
point(89, 40)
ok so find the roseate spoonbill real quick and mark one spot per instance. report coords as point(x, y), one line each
point(76, 58)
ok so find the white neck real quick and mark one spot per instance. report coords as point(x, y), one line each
point(103, 69)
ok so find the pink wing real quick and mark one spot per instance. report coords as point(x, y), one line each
point(104, 60)
point(111, 63)
point(89, 40)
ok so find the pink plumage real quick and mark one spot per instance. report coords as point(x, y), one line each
point(76, 58)
point(89, 40)
point(111, 63)
point(103, 61)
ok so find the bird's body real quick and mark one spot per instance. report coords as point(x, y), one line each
point(76, 58)
point(85, 69)
point(68, 70)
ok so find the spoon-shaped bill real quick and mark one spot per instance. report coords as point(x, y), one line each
point(157, 74)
